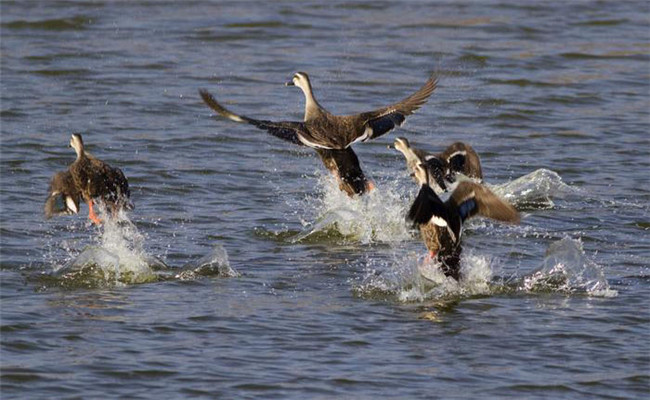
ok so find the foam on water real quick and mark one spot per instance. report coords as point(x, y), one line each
point(119, 258)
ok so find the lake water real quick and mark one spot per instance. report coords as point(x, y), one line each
point(244, 273)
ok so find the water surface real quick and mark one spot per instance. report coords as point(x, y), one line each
point(246, 274)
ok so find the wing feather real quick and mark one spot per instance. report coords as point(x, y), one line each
point(427, 205)
point(385, 119)
point(286, 130)
point(472, 199)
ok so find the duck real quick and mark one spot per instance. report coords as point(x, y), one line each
point(90, 179)
point(332, 136)
point(441, 223)
point(63, 196)
point(458, 162)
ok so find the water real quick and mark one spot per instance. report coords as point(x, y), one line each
point(243, 273)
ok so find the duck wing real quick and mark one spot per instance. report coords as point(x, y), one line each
point(286, 130)
point(63, 196)
point(372, 124)
point(427, 207)
point(470, 199)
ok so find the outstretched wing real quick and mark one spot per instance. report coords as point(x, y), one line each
point(382, 121)
point(471, 199)
point(427, 207)
point(287, 130)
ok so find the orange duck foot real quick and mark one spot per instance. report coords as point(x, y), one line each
point(91, 214)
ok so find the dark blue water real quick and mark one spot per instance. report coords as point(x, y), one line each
point(246, 274)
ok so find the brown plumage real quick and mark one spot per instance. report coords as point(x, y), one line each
point(444, 168)
point(344, 165)
point(441, 223)
point(461, 158)
point(93, 179)
point(63, 196)
point(331, 135)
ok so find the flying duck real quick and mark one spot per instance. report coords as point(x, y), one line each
point(441, 223)
point(457, 162)
point(90, 179)
point(331, 135)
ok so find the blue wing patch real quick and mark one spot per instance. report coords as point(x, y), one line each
point(384, 124)
point(466, 208)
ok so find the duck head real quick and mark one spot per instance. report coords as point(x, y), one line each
point(435, 175)
point(402, 145)
point(77, 143)
point(300, 79)
point(312, 108)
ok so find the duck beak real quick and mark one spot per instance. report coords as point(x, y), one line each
point(290, 83)
point(390, 147)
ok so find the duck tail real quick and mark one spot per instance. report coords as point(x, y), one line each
point(54, 205)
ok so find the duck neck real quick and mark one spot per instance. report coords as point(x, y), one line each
point(80, 153)
point(312, 107)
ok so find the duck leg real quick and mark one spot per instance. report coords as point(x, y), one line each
point(91, 213)
point(344, 165)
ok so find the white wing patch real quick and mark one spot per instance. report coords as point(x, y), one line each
point(71, 205)
point(366, 135)
point(438, 221)
point(454, 154)
point(235, 118)
point(311, 144)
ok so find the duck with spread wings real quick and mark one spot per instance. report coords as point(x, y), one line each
point(441, 223)
point(332, 135)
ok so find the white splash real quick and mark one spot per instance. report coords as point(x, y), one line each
point(566, 268)
point(377, 216)
point(119, 258)
point(416, 278)
point(536, 189)
point(215, 263)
